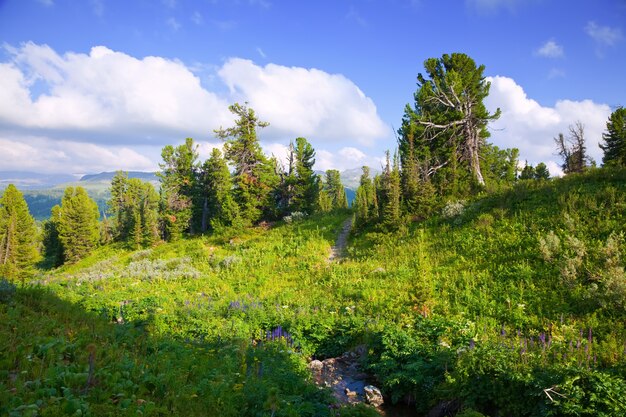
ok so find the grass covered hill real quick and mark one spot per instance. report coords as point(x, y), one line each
point(509, 305)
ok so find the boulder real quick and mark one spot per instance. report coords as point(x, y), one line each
point(373, 396)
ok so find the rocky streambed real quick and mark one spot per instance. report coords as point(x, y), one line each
point(350, 385)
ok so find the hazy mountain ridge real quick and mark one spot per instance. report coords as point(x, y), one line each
point(44, 191)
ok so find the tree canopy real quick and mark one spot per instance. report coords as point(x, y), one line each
point(18, 234)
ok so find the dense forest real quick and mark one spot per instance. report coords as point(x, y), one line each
point(470, 286)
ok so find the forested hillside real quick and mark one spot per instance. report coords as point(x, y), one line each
point(511, 304)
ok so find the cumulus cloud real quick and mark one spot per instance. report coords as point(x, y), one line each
point(550, 49)
point(345, 158)
point(105, 96)
point(40, 154)
point(531, 127)
point(305, 102)
point(109, 99)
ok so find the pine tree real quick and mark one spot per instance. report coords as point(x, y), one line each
point(306, 186)
point(18, 235)
point(255, 177)
point(179, 189)
point(286, 191)
point(445, 132)
point(78, 224)
point(53, 248)
point(221, 208)
point(528, 172)
point(614, 139)
point(335, 190)
point(573, 150)
point(365, 202)
point(324, 200)
point(542, 172)
point(390, 210)
point(134, 205)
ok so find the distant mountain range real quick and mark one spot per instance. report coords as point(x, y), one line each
point(43, 191)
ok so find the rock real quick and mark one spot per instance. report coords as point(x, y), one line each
point(316, 366)
point(350, 393)
point(373, 396)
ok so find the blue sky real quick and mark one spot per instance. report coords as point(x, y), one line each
point(101, 85)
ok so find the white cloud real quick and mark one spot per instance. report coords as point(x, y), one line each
point(106, 93)
point(550, 49)
point(109, 99)
point(305, 102)
point(531, 127)
point(603, 35)
point(345, 158)
point(40, 154)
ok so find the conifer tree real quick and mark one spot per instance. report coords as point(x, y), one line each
point(528, 172)
point(324, 200)
point(52, 246)
point(445, 132)
point(390, 210)
point(573, 150)
point(542, 172)
point(134, 205)
point(78, 225)
point(221, 208)
point(18, 235)
point(365, 202)
point(614, 140)
point(255, 176)
point(286, 191)
point(335, 190)
point(306, 186)
point(179, 189)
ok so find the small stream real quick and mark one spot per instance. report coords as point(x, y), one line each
point(349, 384)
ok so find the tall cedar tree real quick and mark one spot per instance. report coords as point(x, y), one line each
point(542, 172)
point(573, 150)
point(324, 200)
point(18, 235)
point(390, 210)
point(255, 176)
point(134, 205)
point(366, 204)
point(178, 189)
point(52, 246)
point(447, 127)
point(220, 209)
point(334, 189)
point(614, 139)
point(306, 187)
point(78, 225)
point(286, 190)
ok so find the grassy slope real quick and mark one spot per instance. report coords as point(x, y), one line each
point(193, 315)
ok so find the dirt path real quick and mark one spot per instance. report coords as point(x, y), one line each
point(338, 250)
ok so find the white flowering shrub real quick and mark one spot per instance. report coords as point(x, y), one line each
point(295, 217)
point(453, 209)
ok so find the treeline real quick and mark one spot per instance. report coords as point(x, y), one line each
point(443, 154)
point(236, 189)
